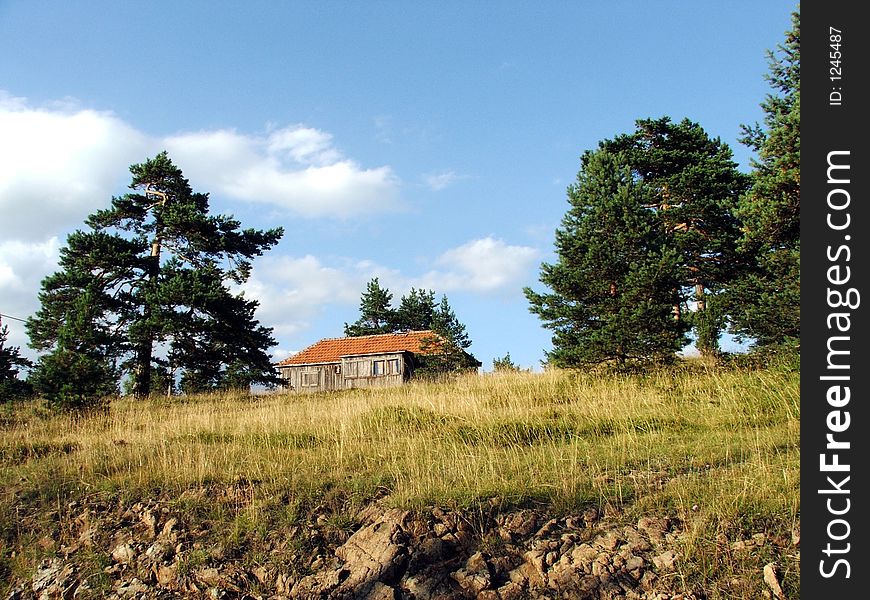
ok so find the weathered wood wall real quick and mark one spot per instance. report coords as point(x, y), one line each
point(375, 370)
point(312, 378)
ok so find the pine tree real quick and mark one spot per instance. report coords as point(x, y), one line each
point(416, 311)
point(695, 188)
point(764, 303)
point(80, 371)
point(504, 364)
point(155, 268)
point(443, 352)
point(447, 350)
point(11, 363)
point(445, 324)
point(614, 285)
point(376, 314)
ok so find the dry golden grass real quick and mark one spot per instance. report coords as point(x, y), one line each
point(721, 440)
point(717, 449)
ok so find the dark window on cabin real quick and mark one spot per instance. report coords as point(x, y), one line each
point(378, 368)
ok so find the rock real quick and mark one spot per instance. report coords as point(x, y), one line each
point(584, 555)
point(601, 565)
point(430, 551)
point(512, 591)
point(380, 591)
point(634, 563)
point(665, 561)
point(609, 541)
point(283, 583)
point(374, 554)
point(648, 580)
point(150, 522)
point(548, 528)
point(635, 542)
point(157, 552)
point(527, 575)
point(442, 555)
point(261, 574)
point(655, 528)
point(134, 588)
point(210, 577)
point(475, 576)
point(521, 524)
point(52, 579)
point(166, 575)
point(537, 560)
point(771, 578)
point(168, 531)
point(124, 553)
point(591, 516)
point(377, 551)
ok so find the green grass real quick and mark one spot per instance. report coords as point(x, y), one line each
point(725, 441)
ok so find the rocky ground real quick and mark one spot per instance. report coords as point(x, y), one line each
point(153, 549)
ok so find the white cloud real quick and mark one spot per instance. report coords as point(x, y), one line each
point(22, 266)
point(62, 162)
point(293, 291)
point(484, 265)
point(296, 168)
point(58, 165)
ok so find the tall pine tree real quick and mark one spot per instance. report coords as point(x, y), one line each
point(155, 269)
point(695, 187)
point(614, 286)
point(764, 302)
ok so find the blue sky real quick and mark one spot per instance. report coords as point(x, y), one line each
point(427, 144)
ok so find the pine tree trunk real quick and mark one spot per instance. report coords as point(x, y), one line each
point(142, 389)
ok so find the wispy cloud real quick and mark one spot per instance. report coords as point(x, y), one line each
point(438, 181)
point(23, 264)
point(295, 291)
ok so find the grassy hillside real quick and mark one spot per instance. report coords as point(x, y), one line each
point(717, 449)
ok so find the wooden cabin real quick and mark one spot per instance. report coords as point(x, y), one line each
point(355, 362)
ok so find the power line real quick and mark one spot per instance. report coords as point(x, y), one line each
point(2, 316)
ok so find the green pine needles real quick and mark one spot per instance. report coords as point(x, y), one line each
point(142, 295)
point(417, 311)
point(665, 238)
point(614, 287)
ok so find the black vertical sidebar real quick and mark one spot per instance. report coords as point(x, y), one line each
point(835, 299)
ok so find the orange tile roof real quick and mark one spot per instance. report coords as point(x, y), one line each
point(331, 350)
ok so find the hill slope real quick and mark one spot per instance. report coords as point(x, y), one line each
point(681, 481)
